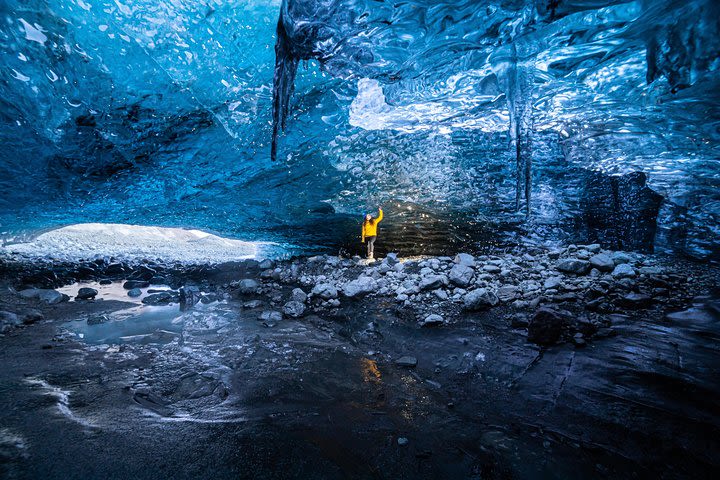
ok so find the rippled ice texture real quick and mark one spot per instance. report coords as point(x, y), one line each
point(161, 112)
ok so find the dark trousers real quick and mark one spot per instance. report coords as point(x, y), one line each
point(371, 244)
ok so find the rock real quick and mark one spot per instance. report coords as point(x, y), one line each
point(248, 285)
point(51, 297)
point(105, 281)
point(519, 320)
point(130, 284)
point(359, 287)
point(574, 266)
point(142, 272)
point(162, 298)
point(31, 316)
point(624, 270)
point(546, 326)
point(620, 258)
point(189, 296)
point(406, 361)
point(298, 295)
point(270, 318)
point(134, 292)
point(594, 248)
point(552, 282)
point(97, 319)
point(602, 262)
point(635, 301)
point(579, 340)
point(115, 269)
point(432, 320)
point(464, 259)
point(86, 293)
point(266, 264)
point(431, 282)
point(507, 293)
point(489, 268)
point(440, 293)
point(556, 253)
point(326, 291)
point(391, 259)
point(480, 299)
point(294, 309)
point(253, 304)
point(8, 321)
point(461, 275)
point(402, 441)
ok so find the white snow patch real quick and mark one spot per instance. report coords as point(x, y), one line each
point(134, 242)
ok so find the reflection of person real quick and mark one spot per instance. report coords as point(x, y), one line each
point(369, 231)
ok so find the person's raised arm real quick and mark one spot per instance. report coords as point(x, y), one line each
point(380, 215)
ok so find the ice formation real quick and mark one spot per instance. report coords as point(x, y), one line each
point(168, 113)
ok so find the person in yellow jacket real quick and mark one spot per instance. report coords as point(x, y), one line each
point(369, 231)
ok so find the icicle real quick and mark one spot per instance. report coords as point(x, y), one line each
point(283, 83)
point(514, 67)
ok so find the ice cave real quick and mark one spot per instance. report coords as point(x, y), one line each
point(350, 239)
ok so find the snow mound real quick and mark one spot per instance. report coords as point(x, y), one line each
point(134, 242)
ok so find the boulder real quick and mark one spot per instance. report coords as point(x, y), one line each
point(270, 317)
point(507, 293)
point(253, 304)
point(620, 257)
point(490, 268)
point(391, 259)
point(189, 296)
point(480, 299)
point(162, 298)
point(8, 321)
point(31, 316)
point(359, 287)
point(294, 309)
point(248, 285)
point(406, 361)
point(431, 282)
point(142, 272)
point(464, 259)
point(624, 270)
point(86, 293)
point(546, 326)
point(49, 296)
point(574, 266)
point(298, 295)
point(134, 292)
point(326, 291)
point(432, 320)
point(461, 275)
point(130, 284)
point(602, 262)
point(552, 282)
point(266, 264)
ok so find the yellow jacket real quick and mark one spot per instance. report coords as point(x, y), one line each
point(370, 229)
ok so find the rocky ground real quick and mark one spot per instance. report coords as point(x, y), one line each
point(561, 363)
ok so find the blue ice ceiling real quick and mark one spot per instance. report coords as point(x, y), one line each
point(481, 112)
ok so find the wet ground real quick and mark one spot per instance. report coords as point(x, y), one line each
point(111, 389)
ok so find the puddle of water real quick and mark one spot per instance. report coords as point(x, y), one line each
point(112, 291)
point(144, 323)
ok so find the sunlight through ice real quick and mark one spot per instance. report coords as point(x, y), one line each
point(128, 242)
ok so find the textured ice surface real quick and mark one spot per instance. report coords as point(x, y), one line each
point(161, 112)
point(132, 242)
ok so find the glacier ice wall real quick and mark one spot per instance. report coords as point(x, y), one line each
point(451, 113)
